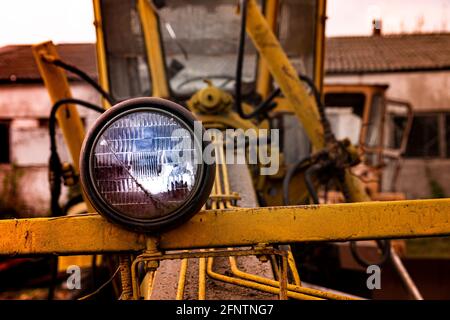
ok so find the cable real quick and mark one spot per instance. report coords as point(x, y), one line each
point(385, 247)
point(265, 105)
point(94, 269)
point(101, 287)
point(55, 173)
point(53, 277)
point(55, 170)
point(328, 133)
point(309, 183)
point(84, 76)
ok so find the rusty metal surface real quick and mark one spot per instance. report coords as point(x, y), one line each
point(233, 227)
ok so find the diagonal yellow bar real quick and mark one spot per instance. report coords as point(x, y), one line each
point(293, 89)
point(233, 227)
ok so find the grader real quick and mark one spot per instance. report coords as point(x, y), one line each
point(163, 204)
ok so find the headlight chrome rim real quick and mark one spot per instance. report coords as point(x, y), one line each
point(204, 175)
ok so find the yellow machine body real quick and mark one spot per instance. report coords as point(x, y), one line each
point(225, 225)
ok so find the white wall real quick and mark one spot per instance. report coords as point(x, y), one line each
point(32, 100)
point(26, 180)
point(25, 104)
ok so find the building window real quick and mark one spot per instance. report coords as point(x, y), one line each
point(429, 136)
point(4, 141)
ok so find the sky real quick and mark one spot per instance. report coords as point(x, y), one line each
point(32, 21)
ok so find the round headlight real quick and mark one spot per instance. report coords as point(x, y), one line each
point(142, 167)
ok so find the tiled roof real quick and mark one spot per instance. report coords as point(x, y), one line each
point(17, 62)
point(388, 53)
point(344, 55)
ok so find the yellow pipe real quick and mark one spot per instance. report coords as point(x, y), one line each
point(182, 279)
point(254, 285)
point(293, 267)
point(218, 181)
point(202, 278)
point(321, 294)
point(226, 182)
point(147, 285)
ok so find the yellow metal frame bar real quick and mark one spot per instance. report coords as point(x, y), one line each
point(101, 50)
point(293, 89)
point(321, 17)
point(57, 84)
point(224, 228)
point(270, 12)
point(150, 28)
point(284, 73)
point(263, 80)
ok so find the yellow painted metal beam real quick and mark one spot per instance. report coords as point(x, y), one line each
point(233, 227)
point(57, 84)
point(295, 92)
point(319, 54)
point(101, 50)
point(88, 233)
point(284, 73)
point(263, 80)
point(150, 28)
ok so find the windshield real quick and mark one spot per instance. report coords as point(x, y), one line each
point(128, 70)
point(200, 39)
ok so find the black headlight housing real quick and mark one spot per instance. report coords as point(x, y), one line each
point(141, 165)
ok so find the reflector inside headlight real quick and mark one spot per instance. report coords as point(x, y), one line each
point(141, 165)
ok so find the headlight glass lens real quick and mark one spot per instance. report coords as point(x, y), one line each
point(144, 164)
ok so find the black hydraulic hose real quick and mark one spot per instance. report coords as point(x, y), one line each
point(385, 247)
point(53, 277)
point(55, 175)
point(328, 133)
point(57, 105)
point(309, 182)
point(84, 76)
point(55, 170)
point(265, 105)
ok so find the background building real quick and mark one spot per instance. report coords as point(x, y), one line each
point(417, 69)
point(24, 111)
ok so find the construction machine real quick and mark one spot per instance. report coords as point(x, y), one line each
point(185, 87)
